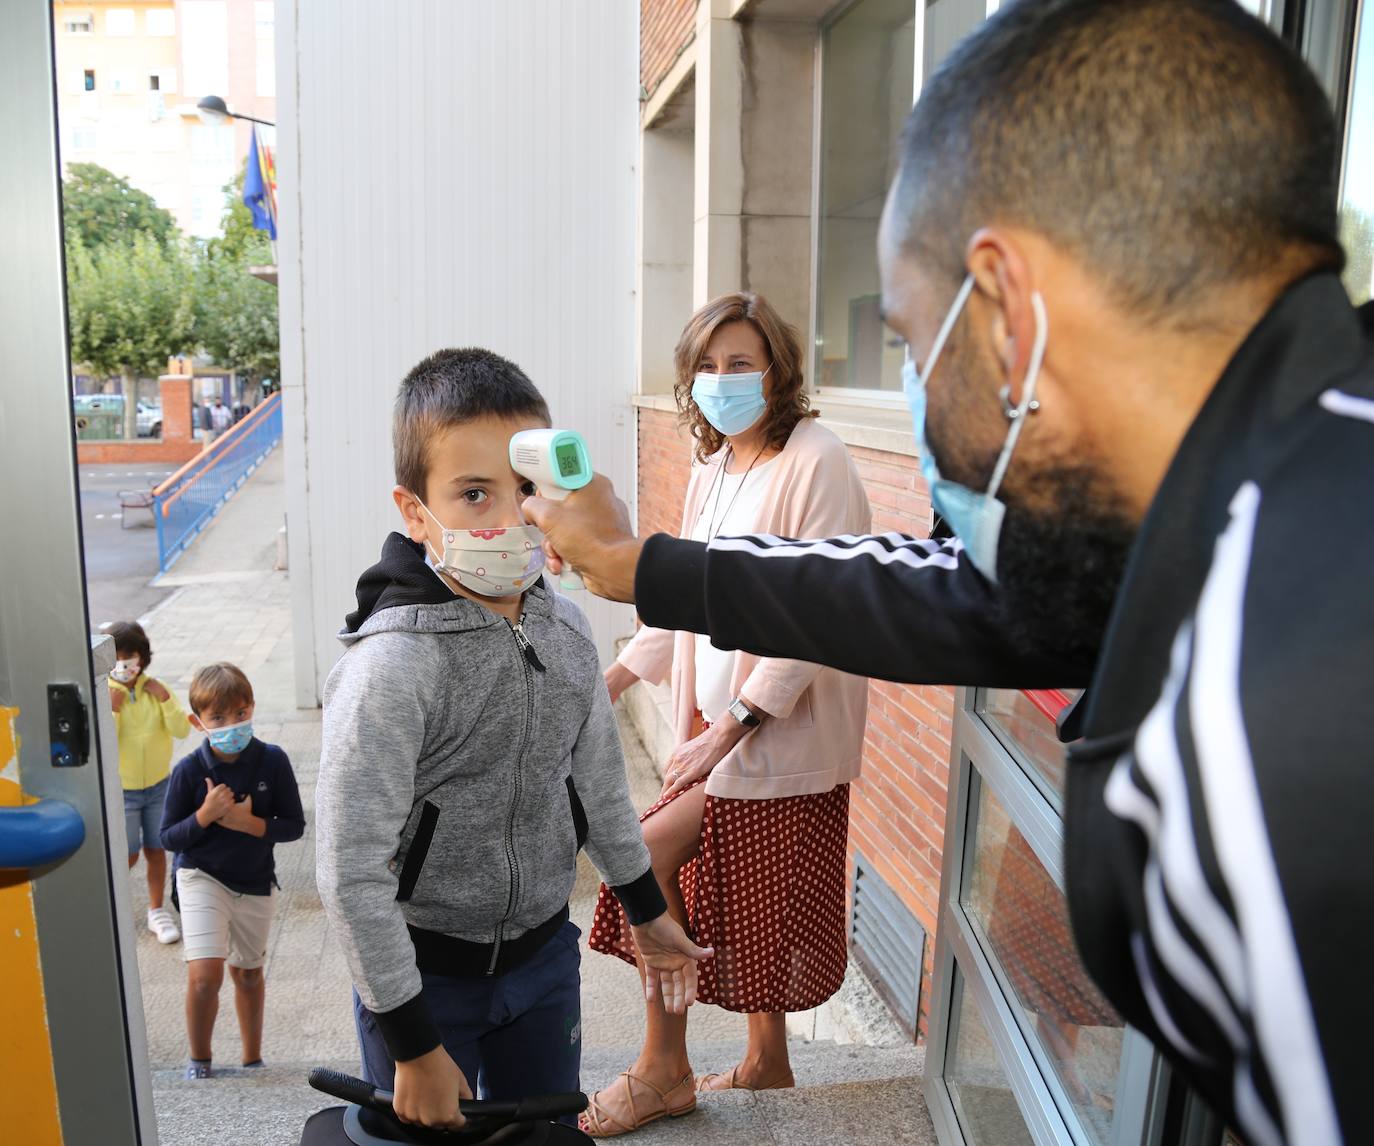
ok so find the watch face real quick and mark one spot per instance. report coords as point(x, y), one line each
point(742, 713)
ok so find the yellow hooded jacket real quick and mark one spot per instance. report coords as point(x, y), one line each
point(146, 727)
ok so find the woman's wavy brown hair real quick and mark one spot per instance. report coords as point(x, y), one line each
point(788, 402)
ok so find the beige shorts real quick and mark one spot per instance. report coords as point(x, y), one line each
point(217, 923)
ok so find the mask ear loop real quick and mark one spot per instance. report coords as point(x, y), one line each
point(1017, 414)
point(942, 336)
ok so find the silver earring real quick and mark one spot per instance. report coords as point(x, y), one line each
point(1010, 411)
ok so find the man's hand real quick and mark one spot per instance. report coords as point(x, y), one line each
point(670, 962)
point(428, 1089)
point(618, 679)
point(590, 530)
point(240, 818)
point(219, 798)
point(155, 689)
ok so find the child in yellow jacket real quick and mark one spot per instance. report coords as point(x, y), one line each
point(148, 717)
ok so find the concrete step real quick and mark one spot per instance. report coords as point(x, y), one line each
point(845, 1094)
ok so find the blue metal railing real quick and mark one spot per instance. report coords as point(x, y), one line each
point(186, 502)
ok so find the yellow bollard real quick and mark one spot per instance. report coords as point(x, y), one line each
point(25, 1047)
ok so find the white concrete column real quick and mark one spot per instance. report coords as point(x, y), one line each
point(719, 164)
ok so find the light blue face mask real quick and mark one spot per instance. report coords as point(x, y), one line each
point(732, 403)
point(976, 518)
point(231, 739)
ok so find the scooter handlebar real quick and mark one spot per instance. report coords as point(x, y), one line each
point(538, 1108)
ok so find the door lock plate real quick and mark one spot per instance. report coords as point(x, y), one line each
point(69, 730)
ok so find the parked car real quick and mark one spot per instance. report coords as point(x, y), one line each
point(149, 420)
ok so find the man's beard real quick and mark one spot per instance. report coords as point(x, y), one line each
point(1059, 568)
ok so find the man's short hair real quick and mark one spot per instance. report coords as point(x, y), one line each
point(129, 637)
point(220, 687)
point(447, 389)
point(1168, 145)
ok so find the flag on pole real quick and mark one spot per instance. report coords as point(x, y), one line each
point(260, 187)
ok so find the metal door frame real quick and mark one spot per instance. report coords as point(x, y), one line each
point(81, 904)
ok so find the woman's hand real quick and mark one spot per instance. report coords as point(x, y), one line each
point(670, 962)
point(695, 759)
point(618, 679)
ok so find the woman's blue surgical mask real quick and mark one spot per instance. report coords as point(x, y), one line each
point(732, 403)
point(976, 518)
point(231, 739)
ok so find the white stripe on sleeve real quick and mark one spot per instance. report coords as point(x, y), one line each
point(1282, 1010)
point(913, 554)
point(1347, 405)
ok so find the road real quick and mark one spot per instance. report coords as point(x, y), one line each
point(119, 561)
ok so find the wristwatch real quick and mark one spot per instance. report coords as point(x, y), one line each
point(740, 711)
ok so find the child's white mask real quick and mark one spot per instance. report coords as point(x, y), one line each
point(124, 671)
point(497, 562)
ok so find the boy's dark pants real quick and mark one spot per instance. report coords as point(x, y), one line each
point(512, 1036)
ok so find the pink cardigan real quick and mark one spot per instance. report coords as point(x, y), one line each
point(814, 736)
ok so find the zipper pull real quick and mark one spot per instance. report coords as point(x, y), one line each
point(525, 647)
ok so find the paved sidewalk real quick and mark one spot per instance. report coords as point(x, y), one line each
point(229, 604)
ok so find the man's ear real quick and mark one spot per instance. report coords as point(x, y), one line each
point(999, 265)
point(411, 513)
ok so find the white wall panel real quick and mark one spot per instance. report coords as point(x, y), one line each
point(453, 173)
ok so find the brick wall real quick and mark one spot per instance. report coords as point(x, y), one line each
point(897, 807)
point(666, 27)
point(135, 453)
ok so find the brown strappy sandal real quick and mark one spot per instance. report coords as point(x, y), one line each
point(729, 1080)
point(600, 1122)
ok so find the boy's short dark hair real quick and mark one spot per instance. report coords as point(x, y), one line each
point(448, 388)
point(219, 687)
point(129, 637)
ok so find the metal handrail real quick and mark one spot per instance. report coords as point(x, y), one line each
point(220, 444)
point(188, 501)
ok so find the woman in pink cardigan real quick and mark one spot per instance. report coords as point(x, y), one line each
point(748, 836)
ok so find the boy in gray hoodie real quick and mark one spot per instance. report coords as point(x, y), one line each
point(463, 725)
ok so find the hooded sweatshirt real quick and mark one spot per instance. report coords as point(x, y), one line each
point(448, 817)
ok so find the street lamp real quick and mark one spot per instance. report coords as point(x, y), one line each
point(213, 111)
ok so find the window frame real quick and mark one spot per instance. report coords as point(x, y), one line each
point(979, 757)
point(855, 395)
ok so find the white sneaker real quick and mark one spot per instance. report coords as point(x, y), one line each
point(161, 924)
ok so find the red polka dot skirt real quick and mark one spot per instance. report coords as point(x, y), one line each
point(766, 890)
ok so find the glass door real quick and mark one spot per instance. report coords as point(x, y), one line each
point(71, 1023)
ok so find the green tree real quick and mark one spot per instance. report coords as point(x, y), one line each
point(130, 307)
point(100, 208)
point(236, 314)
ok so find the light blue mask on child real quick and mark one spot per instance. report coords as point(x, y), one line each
point(732, 403)
point(976, 518)
point(231, 739)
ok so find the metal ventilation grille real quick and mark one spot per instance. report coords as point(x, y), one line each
point(889, 943)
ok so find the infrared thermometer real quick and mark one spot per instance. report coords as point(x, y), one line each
point(558, 462)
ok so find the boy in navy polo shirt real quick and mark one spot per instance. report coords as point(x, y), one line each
point(228, 804)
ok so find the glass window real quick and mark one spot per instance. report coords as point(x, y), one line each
point(867, 80)
point(978, 1086)
point(1024, 919)
point(1024, 723)
point(79, 25)
point(160, 22)
point(1357, 198)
